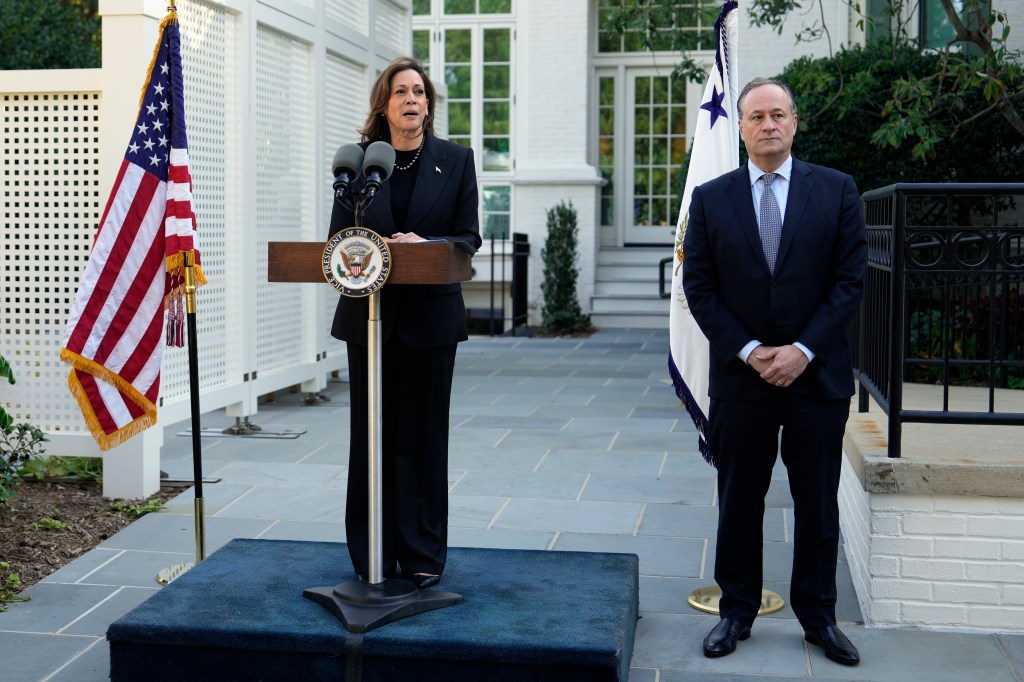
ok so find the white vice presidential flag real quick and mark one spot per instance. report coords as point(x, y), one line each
point(715, 151)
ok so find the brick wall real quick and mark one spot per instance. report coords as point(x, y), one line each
point(938, 561)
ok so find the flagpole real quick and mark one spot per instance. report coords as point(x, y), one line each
point(193, 380)
point(169, 574)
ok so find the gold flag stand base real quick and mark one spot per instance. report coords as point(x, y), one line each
point(168, 575)
point(706, 599)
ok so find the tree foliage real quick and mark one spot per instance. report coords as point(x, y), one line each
point(49, 34)
point(973, 75)
point(561, 312)
point(838, 125)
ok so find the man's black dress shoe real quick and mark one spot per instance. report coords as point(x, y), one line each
point(424, 580)
point(721, 641)
point(837, 647)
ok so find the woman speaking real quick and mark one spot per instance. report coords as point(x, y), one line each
point(431, 194)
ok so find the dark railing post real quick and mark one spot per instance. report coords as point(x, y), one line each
point(898, 321)
point(520, 272)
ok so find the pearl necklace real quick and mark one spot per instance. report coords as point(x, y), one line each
point(409, 165)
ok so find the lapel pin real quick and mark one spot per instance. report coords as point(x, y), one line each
point(436, 169)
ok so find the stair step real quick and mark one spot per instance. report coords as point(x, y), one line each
point(633, 255)
point(635, 287)
point(627, 319)
point(602, 303)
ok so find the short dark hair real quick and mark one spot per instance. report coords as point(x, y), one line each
point(758, 82)
point(376, 126)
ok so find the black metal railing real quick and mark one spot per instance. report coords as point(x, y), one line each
point(491, 320)
point(944, 301)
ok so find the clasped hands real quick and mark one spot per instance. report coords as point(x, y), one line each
point(778, 365)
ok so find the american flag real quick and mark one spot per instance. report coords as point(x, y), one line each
point(115, 335)
point(715, 150)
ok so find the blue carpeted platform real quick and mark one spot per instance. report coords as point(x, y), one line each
point(528, 615)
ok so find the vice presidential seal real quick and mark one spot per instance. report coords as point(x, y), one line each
point(356, 262)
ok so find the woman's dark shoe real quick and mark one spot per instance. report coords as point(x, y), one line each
point(424, 580)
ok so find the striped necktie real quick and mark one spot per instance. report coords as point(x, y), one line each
point(771, 221)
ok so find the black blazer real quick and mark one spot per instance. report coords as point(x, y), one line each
point(444, 205)
point(813, 296)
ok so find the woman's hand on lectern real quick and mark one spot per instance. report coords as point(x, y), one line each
point(406, 237)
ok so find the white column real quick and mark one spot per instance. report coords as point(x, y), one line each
point(131, 470)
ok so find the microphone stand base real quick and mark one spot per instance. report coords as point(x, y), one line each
point(362, 607)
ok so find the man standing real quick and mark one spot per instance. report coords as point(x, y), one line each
point(773, 273)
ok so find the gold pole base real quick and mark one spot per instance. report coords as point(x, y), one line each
point(168, 575)
point(706, 599)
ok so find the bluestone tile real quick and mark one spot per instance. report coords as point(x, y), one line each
point(679, 557)
point(663, 489)
point(568, 516)
point(28, 656)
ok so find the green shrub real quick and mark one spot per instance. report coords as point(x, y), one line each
point(19, 443)
point(561, 312)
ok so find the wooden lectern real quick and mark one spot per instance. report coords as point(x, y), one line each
point(365, 605)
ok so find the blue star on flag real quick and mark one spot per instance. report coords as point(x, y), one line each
point(714, 106)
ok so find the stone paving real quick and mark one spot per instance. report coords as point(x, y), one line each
point(558, 444)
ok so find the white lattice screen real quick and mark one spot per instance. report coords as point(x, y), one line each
point(345, 114)
point(260, 155)
point(209, 43)
point(353, 14)
point(52, 206)
point(391, 26)
point(284, 186)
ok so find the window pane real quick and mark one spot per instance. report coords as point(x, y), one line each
point(679, 119)
point(641, 181)
point(607, 152)
point(497, 198)
point(496, 118)
point(459, 6)
point(420, 7)
point(659, 151)
point(496, 226)
point(634, 42)
point(421, 47)
point(641, 153)
point(464, 141)
point(496, 156)
point(709, 15)
point(496, 44)
point(662, 40)
point(457, 45)
point(659, 181)
point(606, 88)
point(642, 120)
point(495, 6)
point(641, 212)
point(660, 94)
point(606, 121)
point(643, 90)
point(660, 121)
point(459, 118)
point(496, 81)
point(458, 80)
point(607, 42)
point(678, 150)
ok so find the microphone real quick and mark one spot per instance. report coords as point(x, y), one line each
point(345, 166)
point(377, 165)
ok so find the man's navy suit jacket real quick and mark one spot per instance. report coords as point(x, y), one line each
point(444, 206)
point(812, 297)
